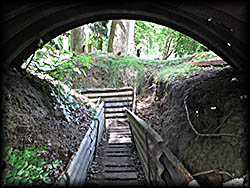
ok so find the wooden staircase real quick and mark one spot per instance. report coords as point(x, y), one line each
point(117, 165)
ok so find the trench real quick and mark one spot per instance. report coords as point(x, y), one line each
point(131, 152)
point(191, 120)
point(218, 27)
point(171, 168)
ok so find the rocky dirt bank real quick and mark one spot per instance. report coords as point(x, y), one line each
point(204, 121)
point(29, 117)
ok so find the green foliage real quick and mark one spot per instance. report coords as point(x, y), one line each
point(64, 101)
point(156, 38)
point(177, 70)
point(55, 61)
point(99, 33)
point(120, 66)
point(185, 45)
point(63, 65)
point(27, 166)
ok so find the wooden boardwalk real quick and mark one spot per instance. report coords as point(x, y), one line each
point(116, 162)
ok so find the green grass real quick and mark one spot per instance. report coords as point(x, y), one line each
point(174, 72)
point(164, 70)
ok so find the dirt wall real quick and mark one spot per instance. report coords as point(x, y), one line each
point(216, 103)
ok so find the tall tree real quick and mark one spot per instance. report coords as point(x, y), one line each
point(121, 37)
point(77, 39)
point(112, 36)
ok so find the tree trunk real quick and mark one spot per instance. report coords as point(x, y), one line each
point(121, 38)
point(77, 39)
point(167, 51)
point(112, 36)
point(100, 42)
point(89, 48)
point(131, 37)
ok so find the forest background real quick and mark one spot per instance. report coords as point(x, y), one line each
point(116, 53)
point(128, 36)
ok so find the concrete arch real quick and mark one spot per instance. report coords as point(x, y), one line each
point(220, 26)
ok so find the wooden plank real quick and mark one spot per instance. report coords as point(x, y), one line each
point(134, 101)
point(113, 111)
point(120, 176)
point(119, 169)
point(79, 163)
point(119, 140)
point(106, 95)
point(117, 149)
point(128, 133)
point(119, 145)
point(117, 161)
point(120, 99)
point(95, 90)
point(175, 168)
point(119, 129)
point(123, 118)
point(116, 136)
point(209, 63)
point(118, 105)
point(151, 132)
point(117, 154)
point(118, 182)
point(115, 115)
point(113, 99)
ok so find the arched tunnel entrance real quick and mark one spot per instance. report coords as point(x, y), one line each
point(221, 27)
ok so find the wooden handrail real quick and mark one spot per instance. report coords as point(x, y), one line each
point(160, 165)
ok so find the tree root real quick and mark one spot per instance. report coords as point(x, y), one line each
point(213, 171)
point(201, 134)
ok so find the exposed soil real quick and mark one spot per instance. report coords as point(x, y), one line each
point(216, 103)
point(104, 74)
point(29, 117)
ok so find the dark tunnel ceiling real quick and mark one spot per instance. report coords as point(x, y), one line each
point(221, 26)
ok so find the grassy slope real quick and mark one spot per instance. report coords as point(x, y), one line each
point(125, 70)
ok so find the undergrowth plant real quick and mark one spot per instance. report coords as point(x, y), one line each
point(64, 101)
point(27, 167)
point(52, 59)
point(62, 65)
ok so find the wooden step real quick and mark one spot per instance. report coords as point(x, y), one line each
point(120, 133)
point(117, 149)
point(118, 182)
point(120, 140)
point(119, 169)
point(115, 129)
point(117, 161)
point(119, 176)
point(117, 154)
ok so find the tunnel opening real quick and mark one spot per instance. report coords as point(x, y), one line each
point(25, 49)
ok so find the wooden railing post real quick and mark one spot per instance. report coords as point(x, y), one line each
point(148, 159)
point(159, 163)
